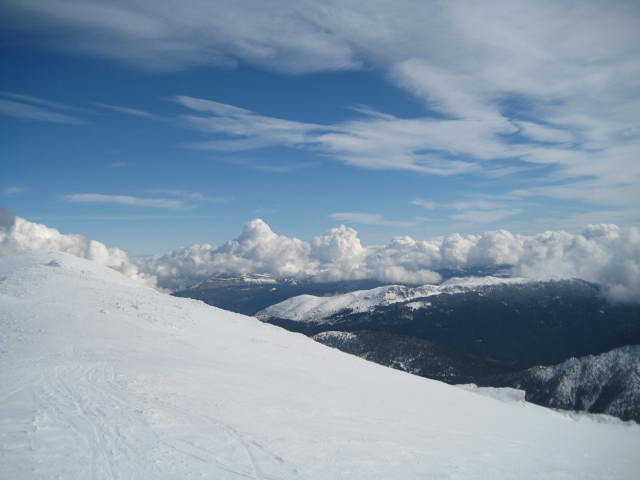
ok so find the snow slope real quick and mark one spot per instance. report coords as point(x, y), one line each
point(103, 378)
point(309, 308)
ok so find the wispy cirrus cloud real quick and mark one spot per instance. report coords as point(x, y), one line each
point(604, 176)
point(476, 203)
point(27, 107)
point(504, 87)
point(484, 216)
point(171, 204)
point(38, 101)
point(270, 165)
point(476, 210)
point(577, 220)
point(544, 133)
point(244, 129)
point(169, 199)
point(426, 204)
point(167, 36)
point(370, 219)
point(13, 190)
point(432, 146)
point(375, 143)
point(126, 110)
point(192, 196)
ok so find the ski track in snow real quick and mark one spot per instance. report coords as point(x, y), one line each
point(101, 378)
point(83, 407)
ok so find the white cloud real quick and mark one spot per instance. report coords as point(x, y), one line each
point(605, 254)
point(257, 249)
point(271, 165)
point(477, 210)
point(170, 204)
point(484, 216)
point(434, 146)
point(250, 130)
point(126, 110)
point(182, 267)
point(31, 112)
point(37, 101)
point(578, 220)
point(171, 35)
point(381, 142)
point(426, 204)
point(169, 200)
point(546, 71)
point(19, 235)
point(605, 177)
point(444, 91)
point(13, 190)
point(475, 204)
point(369, 219)
point(543, 133)
point(192, 196)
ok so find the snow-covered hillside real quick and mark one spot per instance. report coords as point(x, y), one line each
point(309, 308)
point(103, 378)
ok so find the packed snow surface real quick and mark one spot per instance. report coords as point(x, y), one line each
point(506, 394)
point(310, 308)
point(103, 378)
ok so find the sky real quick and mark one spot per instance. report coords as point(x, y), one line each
point(148, 125)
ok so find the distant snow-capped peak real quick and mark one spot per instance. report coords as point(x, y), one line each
point(310, 308)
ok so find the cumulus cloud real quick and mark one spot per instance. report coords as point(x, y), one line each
point(18, 235)
point(603, 254)
point(182, 267)
point(257, 249)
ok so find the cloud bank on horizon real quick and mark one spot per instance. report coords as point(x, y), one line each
point(604, 254)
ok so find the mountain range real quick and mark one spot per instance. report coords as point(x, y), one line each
point(500, 332)
point(518, 324)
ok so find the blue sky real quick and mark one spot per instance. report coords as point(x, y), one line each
point(151, 125)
